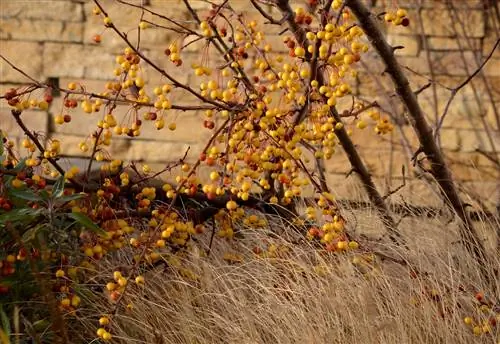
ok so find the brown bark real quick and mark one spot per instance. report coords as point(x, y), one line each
point(352, 154)
point(428, 145)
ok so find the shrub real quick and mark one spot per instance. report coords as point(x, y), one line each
point(274, 119)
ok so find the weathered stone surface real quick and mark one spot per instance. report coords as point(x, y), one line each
point(77, 61)
point(27, 56)
point(55, 40)
point(48, 10)
point(447, 43)
point(411, 44)
point(415, 64)
point(418, 192)
point(189, 128)
point(473, 166)
point(471, 140)
point(40, 30)
point(157, 151)
point(486, 192)
point(449, 139)
point(453, 63)
point(131, 149)
point(126, 19)
point(180, 74)
point(444, 23)
point(492, 68)
point(34, 121)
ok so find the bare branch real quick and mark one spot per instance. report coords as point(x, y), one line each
point(455, 90)
point(439, 168)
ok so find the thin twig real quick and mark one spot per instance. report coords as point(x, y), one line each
point(455, 90)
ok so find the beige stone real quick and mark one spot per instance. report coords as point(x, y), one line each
point(35, 121)
point(152, 151)
point(69, 145)
point(471, 140)
point(449, 139)
point(77, 61)
point(492, 67)
point(453, 63)
point(47, 10)
point(189, 128)
point(469, 4)
point(26, 56)
point(419, 192)
point(40, 30)
point(415, 64)
point(64, 49)
point(472, 167)
point(442, 23)
point(486, 192)
point(411, 44)
point(447, 43)
point(126, 19)
point(179, 74)
point(489, 41)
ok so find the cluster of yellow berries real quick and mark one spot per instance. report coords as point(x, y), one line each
point(258, 150)
point(399, 17)
point(173, 53)
point(72, 172)
point(53, 149)
point(102, 333)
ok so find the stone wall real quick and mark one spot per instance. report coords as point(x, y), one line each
point(53, 40)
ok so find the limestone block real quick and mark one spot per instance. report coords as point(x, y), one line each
point(447, 43)
point(189, 128)
point(471, 140)
point(77, 61)
point(127, 18)
point(40, 30)
point(50, 10)
point(442, 23)
point(436, 4)
point(180, 74)
point(449, 139)
point(34, 120)
point(472, 166)
point(17, 53)
point(486, 192)
point(452, 63)
point(416, 64)
point(69, 145)
point(152, 151)
point(411, 44)
point(492, 68)
point(489, 41)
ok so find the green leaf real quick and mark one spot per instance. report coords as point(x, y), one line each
point(41, 325)
point(27, 195)
point(44, 194)
point(23, 214)
point(58, 189)
point(31, 234)
point(5, 322)
point(21, 165)
point(70, 198)
point(85, 221)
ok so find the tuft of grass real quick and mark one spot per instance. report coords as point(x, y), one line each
point(297, 293)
